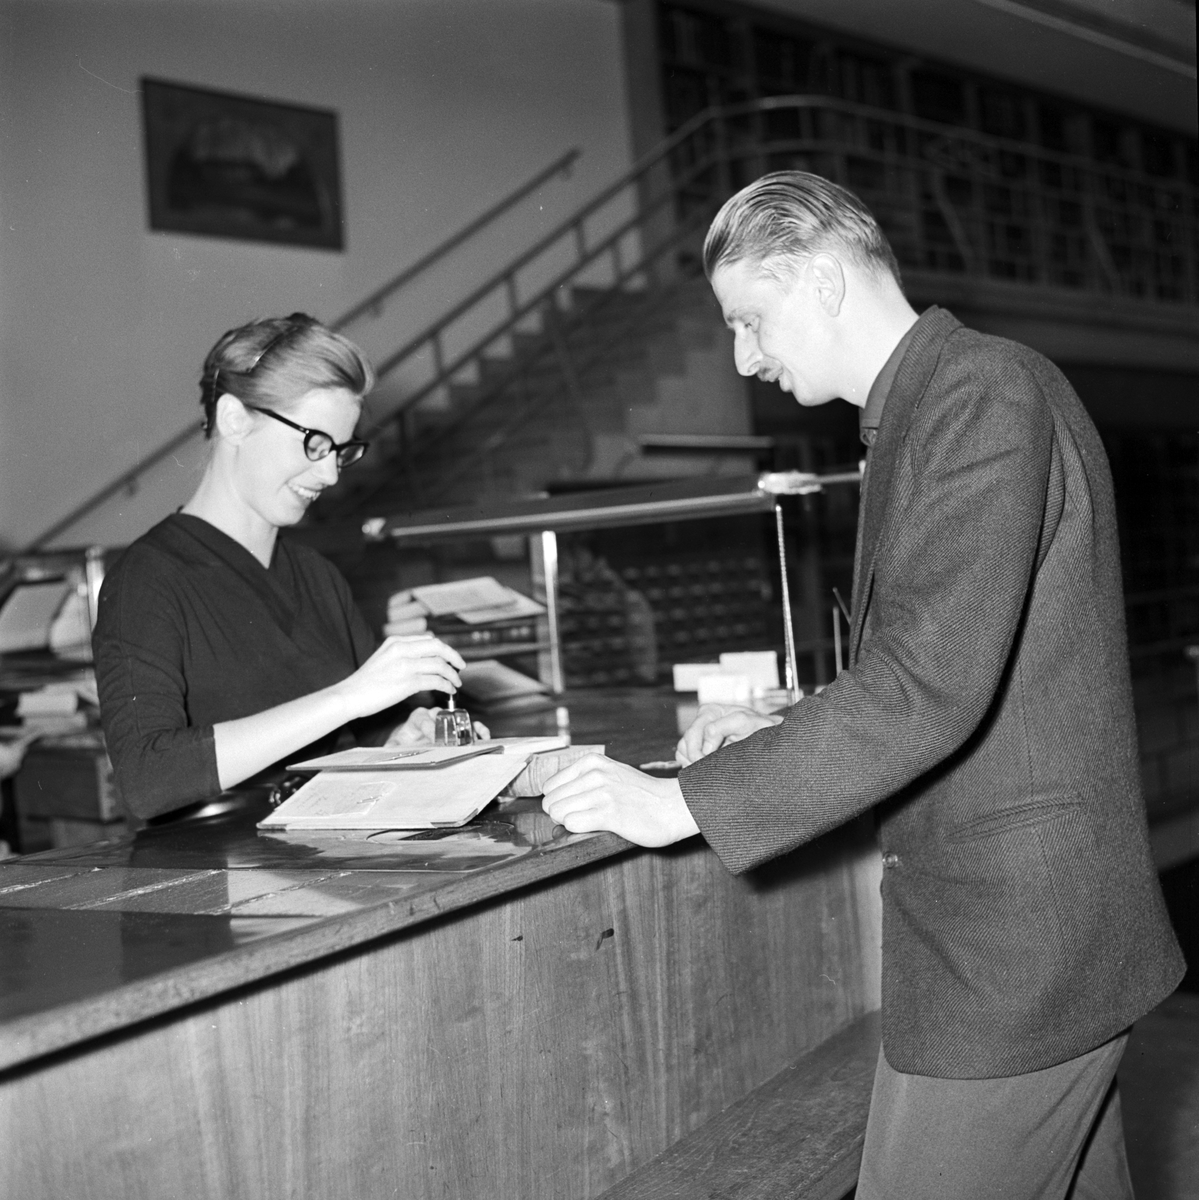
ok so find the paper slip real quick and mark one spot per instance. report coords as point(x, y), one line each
point(390, 800)
point(394, 758)
point(488, 679)
point(516, 606)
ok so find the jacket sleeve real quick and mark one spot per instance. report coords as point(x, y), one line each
point(952, 575)
point(160, 762)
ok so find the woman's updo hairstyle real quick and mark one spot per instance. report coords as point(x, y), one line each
point(270, 363)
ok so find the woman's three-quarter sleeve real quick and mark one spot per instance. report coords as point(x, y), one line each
point(160, 761)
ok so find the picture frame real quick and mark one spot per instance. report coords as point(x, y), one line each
point(224, 165)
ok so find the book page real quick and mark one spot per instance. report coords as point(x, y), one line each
point(489, 679)
point(394, 758)
point(397, 800)
point(515, 606)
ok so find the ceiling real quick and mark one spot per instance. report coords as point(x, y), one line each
point(1133, 56)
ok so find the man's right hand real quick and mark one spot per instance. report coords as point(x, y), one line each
point(717, 725)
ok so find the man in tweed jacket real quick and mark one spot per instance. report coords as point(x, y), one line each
point(985, 715)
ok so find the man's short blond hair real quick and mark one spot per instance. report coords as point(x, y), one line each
point(781, 220)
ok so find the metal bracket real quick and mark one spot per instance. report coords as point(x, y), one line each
point(802, 483)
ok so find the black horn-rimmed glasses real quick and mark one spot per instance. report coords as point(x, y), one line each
point(318, 444)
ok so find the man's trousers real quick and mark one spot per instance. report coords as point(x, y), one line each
point(1042, 1136)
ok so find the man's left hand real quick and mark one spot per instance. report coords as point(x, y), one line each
point(598, 793)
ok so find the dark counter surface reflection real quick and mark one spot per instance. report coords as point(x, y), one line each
point(94, 937)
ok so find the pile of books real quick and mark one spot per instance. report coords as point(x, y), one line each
point(479, 615)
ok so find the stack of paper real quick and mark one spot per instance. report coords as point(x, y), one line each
point(474, 601)
point(57, 708)
point(405, 788)
point(738, 678)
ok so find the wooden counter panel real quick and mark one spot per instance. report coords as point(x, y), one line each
point(537, 1046)
point(112, 967)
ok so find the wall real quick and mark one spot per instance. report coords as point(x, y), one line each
point(444, 107)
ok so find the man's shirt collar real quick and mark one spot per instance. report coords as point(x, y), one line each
point(880, 389)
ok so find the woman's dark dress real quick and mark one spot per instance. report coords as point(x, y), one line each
point(194, 630)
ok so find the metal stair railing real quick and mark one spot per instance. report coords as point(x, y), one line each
point(974, 205)
point(954, 202)
point(372, 305)
point(432, 342)
point(1007, 210)
point(556, 346)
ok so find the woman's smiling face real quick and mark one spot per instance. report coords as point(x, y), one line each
point(274, 477)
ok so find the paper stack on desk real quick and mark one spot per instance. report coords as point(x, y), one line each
point(397, 788)
point(470, 601)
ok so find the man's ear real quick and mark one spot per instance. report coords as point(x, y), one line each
point(828, 282)
point(233, 419)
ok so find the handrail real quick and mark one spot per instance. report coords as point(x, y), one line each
point(519, 311)
point(946, 139)
point(953, 133)
point(560, 166)
point(682, 228)
point(940, 159)
point(730, 112)
point(937, 165)
point(122, 482)
point(646, 163)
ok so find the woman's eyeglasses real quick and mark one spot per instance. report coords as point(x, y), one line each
point(318, 444)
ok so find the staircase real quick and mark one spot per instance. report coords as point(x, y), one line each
point(562, 407)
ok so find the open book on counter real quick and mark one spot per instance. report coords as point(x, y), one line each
point(397, 787)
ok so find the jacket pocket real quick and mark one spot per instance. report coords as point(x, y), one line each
point(1021, 892)
point(1036, 811)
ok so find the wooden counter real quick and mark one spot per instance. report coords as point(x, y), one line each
point(506, 1011)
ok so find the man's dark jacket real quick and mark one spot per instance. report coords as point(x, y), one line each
point(987, 710)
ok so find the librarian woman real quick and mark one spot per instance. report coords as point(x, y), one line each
point(223, 651)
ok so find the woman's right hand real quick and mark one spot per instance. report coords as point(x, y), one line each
point(402, 666)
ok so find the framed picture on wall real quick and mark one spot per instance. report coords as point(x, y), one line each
point(231, 166)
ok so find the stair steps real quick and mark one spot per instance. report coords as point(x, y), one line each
point(528, 418)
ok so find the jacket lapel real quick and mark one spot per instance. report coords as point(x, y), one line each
point(914, 373)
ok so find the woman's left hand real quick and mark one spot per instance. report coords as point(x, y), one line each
point(417, 730)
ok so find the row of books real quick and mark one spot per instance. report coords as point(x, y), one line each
point(467, 612)
point(461, 636)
